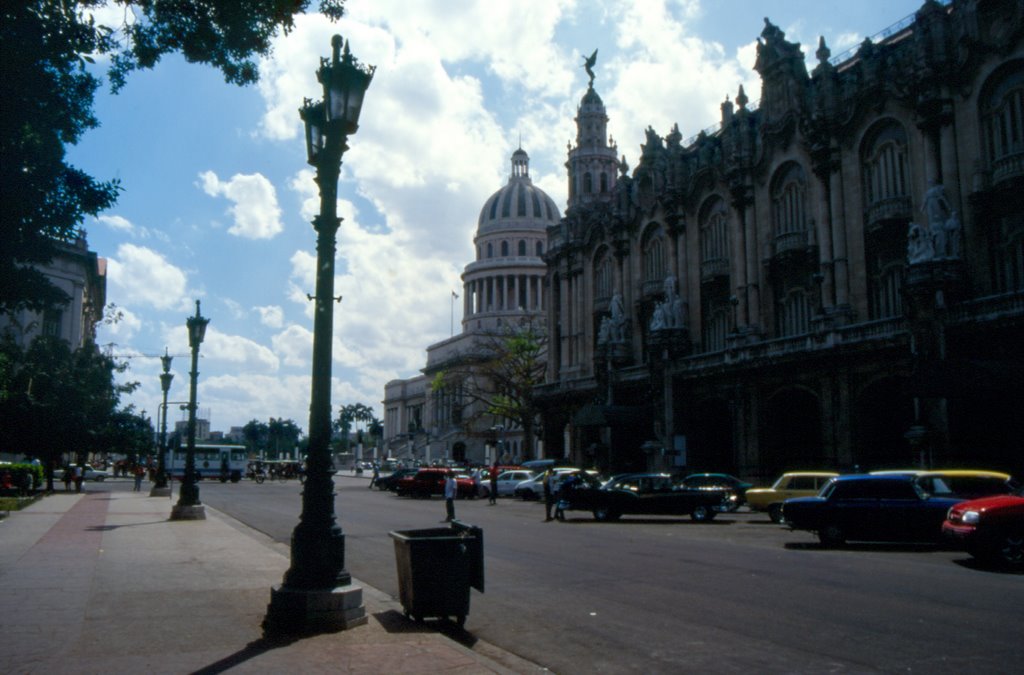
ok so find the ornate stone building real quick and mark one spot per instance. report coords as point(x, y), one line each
point(502, 287)
point(82, 276)
point(832, 278)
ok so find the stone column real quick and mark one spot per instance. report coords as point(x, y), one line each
point(839, 260)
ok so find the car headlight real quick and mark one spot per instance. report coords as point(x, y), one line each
point(970, 517)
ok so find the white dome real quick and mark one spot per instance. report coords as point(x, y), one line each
point(520, 204)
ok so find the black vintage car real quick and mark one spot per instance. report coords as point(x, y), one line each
point(653, 494)
point(869, 508)
point(390, 482)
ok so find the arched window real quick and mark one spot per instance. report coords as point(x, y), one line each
point(714, 238)
point(490, 250)
point(792, 313)
point(504, 249)
point(655, 269)
point(540, 248)
point(1002, 115)
point(588, 183)
point(884, 163)
point(789, 207)
point(522, 247)
point(715, 327)
point(604, 182)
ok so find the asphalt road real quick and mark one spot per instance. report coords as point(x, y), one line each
point(739, 594)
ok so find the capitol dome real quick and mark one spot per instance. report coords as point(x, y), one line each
point(519, 204)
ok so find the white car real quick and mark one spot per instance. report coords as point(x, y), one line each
point(90, 473)
point(508, 480)
point(534, 487)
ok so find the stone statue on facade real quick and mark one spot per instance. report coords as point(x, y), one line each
point(604, 332)
point(920, 247)
point(669, 313)
point(618, 319)
point(936, 207)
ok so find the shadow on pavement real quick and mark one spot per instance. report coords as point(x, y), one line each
point(250, 651)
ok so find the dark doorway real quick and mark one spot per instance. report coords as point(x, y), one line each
point(709, 437)
point(791, 433)
point(882, 415)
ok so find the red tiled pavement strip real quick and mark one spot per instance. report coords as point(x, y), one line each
point(106, 583)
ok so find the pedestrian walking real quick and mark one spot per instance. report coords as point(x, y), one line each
point(376, 474)
point(477, 483)
point(493, 497)
point(140, 473)
point(549, 494)
point(68, 476)
point(79, 477)
point(451, 489)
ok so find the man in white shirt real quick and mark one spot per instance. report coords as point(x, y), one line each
point(451, 488)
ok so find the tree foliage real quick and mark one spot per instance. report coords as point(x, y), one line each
point(47, 88)
point(65, 400)
point(271, 439)
point(499, 379)
point(358, 416)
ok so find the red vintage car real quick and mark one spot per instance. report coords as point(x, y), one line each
point(430, 481)
point(991, 528)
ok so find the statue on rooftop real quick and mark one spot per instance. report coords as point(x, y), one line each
point(588, 65)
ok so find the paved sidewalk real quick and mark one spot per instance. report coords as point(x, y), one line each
point(103, 582)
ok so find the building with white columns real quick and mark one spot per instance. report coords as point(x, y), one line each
point(503, 286)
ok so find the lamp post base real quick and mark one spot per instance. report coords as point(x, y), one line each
point(164, 491)
point(189, 512)
point(306, 612)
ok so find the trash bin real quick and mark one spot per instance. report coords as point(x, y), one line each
point(437, 567)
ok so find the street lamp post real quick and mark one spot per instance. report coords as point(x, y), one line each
point(160, 486)
point(189, 507)
point(317, 593)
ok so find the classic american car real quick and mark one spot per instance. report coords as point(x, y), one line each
point(869, 508)
point(653, 494)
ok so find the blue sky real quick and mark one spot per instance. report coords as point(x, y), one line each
point(218, 197)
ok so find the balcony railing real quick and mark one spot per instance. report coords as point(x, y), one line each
point(1008, 166)
point(889, 208)
point(714, 267)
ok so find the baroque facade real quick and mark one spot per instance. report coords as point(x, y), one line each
point(82, 276)
point(831, 278)
point(501, 288)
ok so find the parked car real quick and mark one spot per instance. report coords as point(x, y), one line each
point(645, 494)
point(533, 488)
point(720, 481)
point(869, 508)
point(428, 481)
point(787, 486)
point(94, 474)
point(990, 529)
point(965, 483)
point(390, 481)
point(508, 480)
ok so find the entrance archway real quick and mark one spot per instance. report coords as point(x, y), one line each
point(791, 437)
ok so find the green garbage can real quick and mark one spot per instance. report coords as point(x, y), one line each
point(436, 569)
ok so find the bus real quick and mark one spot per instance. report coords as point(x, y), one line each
point(221, 462)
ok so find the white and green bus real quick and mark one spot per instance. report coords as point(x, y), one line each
point(219, 462)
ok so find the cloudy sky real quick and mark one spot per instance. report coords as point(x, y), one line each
point(218, 198)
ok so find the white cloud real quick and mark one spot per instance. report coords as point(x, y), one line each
point(255, 211)
point(243, 353)
point(140, 275)
point(117, 223)
point(294, 346)
point(271, 315)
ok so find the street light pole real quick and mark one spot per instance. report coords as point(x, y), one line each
point(189, 507)
point(160, 486)
point(317, 594)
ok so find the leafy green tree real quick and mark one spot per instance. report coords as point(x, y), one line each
point(128, 433)
point(256, 436)
point(282, 436)
point(47, 85)
point(499, 379)
point(64, 400)
point(353, 415)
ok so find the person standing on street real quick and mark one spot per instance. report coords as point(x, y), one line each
point(140, 473)
point(451, 488)
point(376, 474)
point(549, 495)
point(493, 496)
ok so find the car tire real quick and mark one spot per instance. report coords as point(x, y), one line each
point(702, 514)
point(775, 513)
point(99, 479)
point(831, 535)
point(605, 515)
point(1005, 549)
